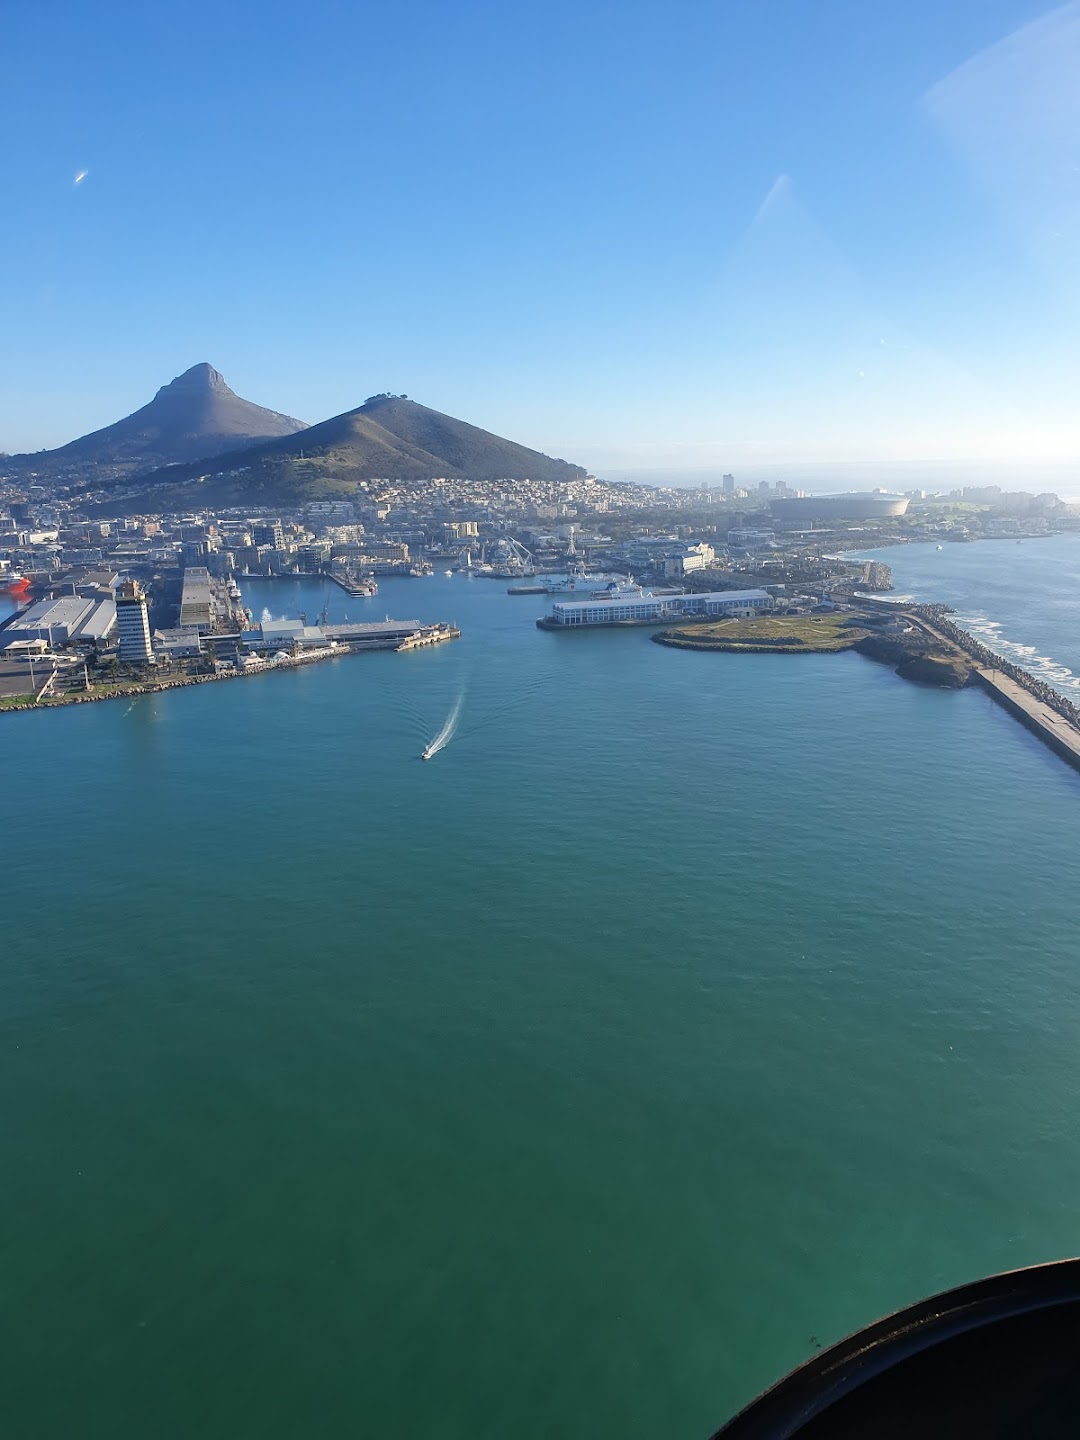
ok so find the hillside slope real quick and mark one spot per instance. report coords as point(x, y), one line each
point(194, 417)
point(392, 437)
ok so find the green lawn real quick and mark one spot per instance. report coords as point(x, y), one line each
point(786, 634)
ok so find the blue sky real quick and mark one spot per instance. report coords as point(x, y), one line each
point(691, 237)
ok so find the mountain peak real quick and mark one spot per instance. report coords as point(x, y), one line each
point(194, 417)
point(390, 435)
point(199, 379)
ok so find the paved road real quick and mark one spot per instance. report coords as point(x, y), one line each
point(1053, 726)
point(1060, 734)
point(15, 676)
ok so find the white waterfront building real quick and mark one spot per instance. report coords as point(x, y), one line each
point(645, 608)
point(132, 624)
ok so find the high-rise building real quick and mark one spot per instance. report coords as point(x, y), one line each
point(132, 624)
point(728, 483)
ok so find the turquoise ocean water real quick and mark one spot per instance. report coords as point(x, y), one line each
point(682, 1014)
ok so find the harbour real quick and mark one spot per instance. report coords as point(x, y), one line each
point(568, 1091)
point(275, 645)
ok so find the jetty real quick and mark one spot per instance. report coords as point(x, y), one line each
point(1038, 707)
point(429, 635)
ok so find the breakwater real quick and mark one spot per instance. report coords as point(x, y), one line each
point(1038, 706)
point(935, 615)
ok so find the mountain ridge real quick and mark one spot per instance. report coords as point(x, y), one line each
point(388, 437)
point(194, 417)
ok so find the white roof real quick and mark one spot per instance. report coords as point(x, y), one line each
point(734, 597)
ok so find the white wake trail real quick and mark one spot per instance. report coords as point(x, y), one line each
point(446, 734)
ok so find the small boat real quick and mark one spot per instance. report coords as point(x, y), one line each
point(425, 754)
point(449, 574)
point(940, 547)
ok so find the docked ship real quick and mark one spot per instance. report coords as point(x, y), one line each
point(578, 584)
point(622, 587)
point(16, 585)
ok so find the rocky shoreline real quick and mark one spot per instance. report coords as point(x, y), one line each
point(155, 687)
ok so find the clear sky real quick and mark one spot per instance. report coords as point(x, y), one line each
point(688, 236)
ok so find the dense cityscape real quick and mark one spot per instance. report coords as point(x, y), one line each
point(112, 602)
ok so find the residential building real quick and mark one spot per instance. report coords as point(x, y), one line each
point(268, 532)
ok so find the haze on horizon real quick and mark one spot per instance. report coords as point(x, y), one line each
point(758, 237)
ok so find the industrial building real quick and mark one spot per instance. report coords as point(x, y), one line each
point(72, 619)
point(649, 609)
point(197, 600)
point(279, 634)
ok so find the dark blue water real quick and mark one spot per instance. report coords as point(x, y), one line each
point(685, 1012)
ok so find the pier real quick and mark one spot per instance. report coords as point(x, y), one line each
point(429, 635)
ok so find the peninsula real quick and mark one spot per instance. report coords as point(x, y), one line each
point(919, 641)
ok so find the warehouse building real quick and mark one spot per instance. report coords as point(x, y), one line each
point(645, 608)
point(72, 619)
point(197, 600)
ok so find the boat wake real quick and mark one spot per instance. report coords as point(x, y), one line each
point(446, 734)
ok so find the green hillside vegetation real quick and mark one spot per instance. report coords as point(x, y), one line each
point(773, 634)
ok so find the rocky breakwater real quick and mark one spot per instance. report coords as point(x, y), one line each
point(935, 615)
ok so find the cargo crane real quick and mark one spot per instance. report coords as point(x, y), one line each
point(521, 561)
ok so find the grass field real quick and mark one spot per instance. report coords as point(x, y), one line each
point(783, 634)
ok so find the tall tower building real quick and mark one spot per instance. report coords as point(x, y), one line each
point(132, 624)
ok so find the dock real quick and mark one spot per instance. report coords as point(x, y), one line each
point(429, 635)
point(357, 586)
